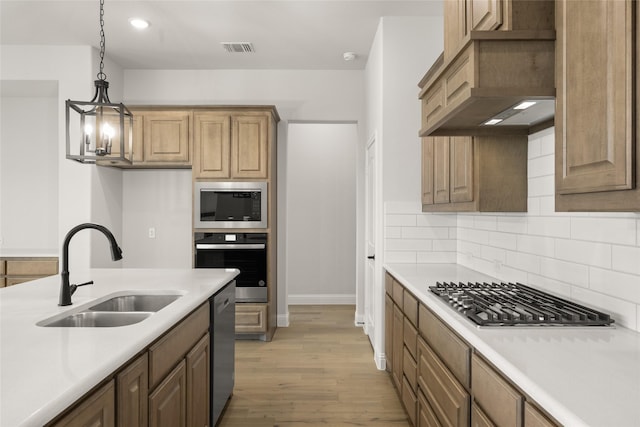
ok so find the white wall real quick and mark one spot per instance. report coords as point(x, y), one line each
point(591, 258)
point(403, 50)
point(159, 200)
point(29, 173)
point(73, 68)
point(321, 213)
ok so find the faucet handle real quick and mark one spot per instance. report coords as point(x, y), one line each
point(72, 288)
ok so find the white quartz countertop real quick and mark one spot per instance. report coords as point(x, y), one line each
point(43, 370)
point(583, 376)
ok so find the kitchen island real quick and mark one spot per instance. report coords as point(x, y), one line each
point(581, 376)
point(45, 370)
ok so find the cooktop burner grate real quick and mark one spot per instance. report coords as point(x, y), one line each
point(509, 304)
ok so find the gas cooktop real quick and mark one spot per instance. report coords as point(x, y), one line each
point(509, 304)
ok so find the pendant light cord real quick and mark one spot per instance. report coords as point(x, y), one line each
point(101, 74)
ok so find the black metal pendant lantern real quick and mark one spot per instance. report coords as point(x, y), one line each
point(103, 130)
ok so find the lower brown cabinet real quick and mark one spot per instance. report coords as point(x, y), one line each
point(96, 410)
point(132, 385)
point(441, 379)
point(165, 386)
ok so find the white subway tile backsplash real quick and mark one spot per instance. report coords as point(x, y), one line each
point(400, 257)
point(623, 312)
point(488, 222)
point(533, 205)
point(622, 285)
point(473, 235)
point(556, 287)
point(541, 166)
point(425, 233)
point(534, 148)
point(550, 226)
point(620, 231)
point(523, 261)
point(547, 205)
point(408, 245)
point(513, 275)
point(465, 221)
point(493, 254)
point(503, 240)
point(541, 186)
point(393, 232)
point(449, 245)
point(469, 249)
point(453, 233)
point(399, 220)
point(436, 257)
point(576, 274)
point(536, 245)
point(513, 224)
point(436, 220)
point(598, 254)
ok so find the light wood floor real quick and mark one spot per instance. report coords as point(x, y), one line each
point(317, 372)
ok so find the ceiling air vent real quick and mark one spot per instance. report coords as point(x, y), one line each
point(238, 47)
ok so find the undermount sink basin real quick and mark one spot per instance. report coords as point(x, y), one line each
point(135, 303)
point(98, 319)
point(119, 310)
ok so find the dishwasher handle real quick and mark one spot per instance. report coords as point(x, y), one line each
point(230, 246)
point(223, 305)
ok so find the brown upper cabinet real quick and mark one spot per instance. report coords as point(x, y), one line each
point(597, 114)
point(481, 174)
point(231, 145)
point(497, 53)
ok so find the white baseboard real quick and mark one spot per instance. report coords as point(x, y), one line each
point(359, 320)
point(283, 320)
point(380, 360)
point(322, 299)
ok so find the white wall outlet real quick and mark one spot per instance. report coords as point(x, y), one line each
point(152, 232)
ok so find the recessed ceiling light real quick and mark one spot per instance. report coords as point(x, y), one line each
point(139, 23)
point(492, 122)
point(349, 56)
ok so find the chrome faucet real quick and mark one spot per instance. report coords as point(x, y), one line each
point(66, 290)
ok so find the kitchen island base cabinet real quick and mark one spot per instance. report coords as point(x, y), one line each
point(198, 381)
point(168, 403)
point(132, 390)
point(96, 410)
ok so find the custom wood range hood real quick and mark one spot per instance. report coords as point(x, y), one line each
point(495, 59)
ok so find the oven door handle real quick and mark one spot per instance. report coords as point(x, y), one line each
point(230, 246)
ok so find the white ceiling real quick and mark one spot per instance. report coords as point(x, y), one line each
point(186, 34)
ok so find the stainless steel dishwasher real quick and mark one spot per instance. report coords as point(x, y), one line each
point(223, 323)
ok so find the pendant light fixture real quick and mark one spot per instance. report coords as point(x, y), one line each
point(102, 130)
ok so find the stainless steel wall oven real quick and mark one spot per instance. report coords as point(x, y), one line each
point(244, 251)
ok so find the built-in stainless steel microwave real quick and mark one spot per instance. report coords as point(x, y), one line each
point(230, 205)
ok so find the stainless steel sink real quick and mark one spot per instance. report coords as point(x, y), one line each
point(97, 319)
point(126, 303)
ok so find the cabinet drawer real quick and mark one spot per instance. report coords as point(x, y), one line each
point(251, 318)
point(426, 416)
point(410, 338)
point(32, 268)
point(458, 80)
point(410, 369)
point(533, 417)
point(449, 347)
point(171, 348)
point(447, 397)
point(410, 304)
point(409, 400)
point(498, 399)
point(398, 294)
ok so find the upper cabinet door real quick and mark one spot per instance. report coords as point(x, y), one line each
point(249, 150)
point(427, 171)
point(461, 175)
point(485, 15)
point(456, 28)
point(166, 136)
point(212, 140)
point(595, 57)
point(441, 164)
